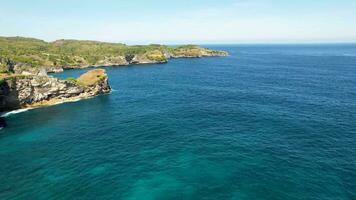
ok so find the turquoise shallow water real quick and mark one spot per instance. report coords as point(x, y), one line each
point(268, 122)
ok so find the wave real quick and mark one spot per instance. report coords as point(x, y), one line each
point(15, 112)
point(6, 114)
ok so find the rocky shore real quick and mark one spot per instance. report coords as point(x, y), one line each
point(28, 91)
point(25, 62)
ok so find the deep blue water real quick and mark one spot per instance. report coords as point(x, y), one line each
point(268, 122)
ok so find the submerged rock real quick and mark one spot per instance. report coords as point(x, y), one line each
point(21, 91)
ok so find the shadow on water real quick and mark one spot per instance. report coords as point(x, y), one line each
point(8, 96)
point(2, 123)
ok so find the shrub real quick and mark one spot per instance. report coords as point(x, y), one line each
point(71, 79)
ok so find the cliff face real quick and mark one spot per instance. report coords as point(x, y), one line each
point(21, 91)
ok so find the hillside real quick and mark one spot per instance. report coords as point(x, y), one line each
point(18, 54)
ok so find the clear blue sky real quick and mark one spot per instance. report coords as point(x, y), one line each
point(182, 21)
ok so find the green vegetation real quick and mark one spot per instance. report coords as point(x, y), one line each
point(63, 52)
point(74, 53)
point(9, 76)
point(156, 55)
point(91, 77)
point(72, 79)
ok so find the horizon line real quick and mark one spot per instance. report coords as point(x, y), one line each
point(316, 42)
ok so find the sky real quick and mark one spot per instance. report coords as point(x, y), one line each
point(182, 21)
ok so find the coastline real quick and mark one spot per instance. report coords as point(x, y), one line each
point(33, 91)
point(151, 62)
point(25, 83)
point(52, 102)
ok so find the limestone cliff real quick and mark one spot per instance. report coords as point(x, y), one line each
point(21, 91)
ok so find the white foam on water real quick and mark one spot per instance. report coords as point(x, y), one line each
point(6, 114)
point(15, 112)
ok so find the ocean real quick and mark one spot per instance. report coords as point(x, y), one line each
point(272, 122)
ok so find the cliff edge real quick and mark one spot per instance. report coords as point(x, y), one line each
point(23, 91)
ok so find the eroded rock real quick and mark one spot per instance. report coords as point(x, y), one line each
point(33, 91)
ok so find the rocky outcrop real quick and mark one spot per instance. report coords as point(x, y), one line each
point(21, 91)
point(132, 59)
point(54, 69)
point(24, 69)
point(9, 66)
point(195, 52)
point(112, 61)
point(142, 59)
point(153, 57)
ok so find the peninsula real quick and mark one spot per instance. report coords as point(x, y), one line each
point(25, 62)
point(28, 56)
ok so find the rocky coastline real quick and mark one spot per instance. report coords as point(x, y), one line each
point(31, 91)
point(25, 69)
point(25, 64)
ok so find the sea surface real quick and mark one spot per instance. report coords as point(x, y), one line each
point(274, 122)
